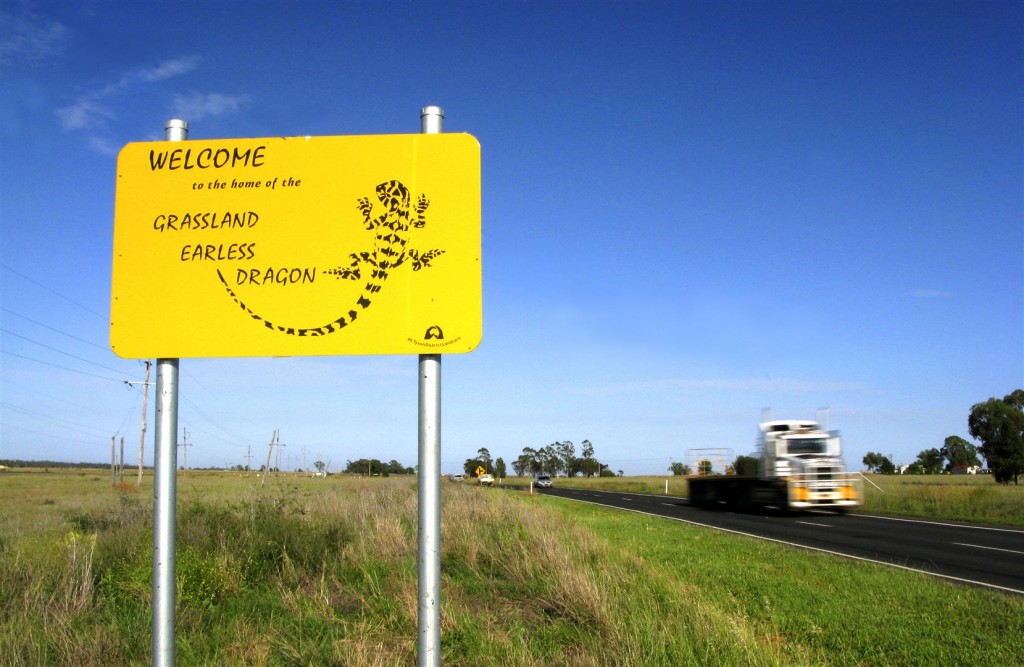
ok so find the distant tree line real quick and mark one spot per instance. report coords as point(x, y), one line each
point(997, 423)
point(15, 463)
point(372, 467)
point(955, 453)
point(558, 459)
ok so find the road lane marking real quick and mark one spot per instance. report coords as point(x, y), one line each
point(938, 523)
point(827, 551)
point(808, 523)
point(978, 546)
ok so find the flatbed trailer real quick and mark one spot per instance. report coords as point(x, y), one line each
point(838, 492)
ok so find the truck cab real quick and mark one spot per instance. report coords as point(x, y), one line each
point(810, 460)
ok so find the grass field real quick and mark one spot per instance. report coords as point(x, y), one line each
point(323, 572)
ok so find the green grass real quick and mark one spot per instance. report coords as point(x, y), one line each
point(951, 497)
point(830, 610)
point(323, 572)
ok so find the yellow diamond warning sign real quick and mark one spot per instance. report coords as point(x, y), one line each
point(297, 246)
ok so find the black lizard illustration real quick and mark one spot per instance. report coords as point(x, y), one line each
point(389, 252)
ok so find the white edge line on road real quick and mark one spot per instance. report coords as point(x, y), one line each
point(808, 523)
point(938, 523)
point(802, 546)
point(978, 546)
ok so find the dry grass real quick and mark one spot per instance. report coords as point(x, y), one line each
point(323, 571)
point(952, 497)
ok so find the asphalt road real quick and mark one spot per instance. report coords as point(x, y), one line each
point(965, 553)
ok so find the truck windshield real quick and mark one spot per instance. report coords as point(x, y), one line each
point(805, 445)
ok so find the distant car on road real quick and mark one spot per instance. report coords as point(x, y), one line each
point(457, 478)
point(487, 479)
point(543, 481)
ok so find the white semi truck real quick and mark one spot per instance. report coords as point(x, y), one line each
point(800, 467)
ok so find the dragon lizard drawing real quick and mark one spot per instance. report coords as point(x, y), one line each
point(390, 251)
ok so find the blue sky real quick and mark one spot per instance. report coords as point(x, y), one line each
point(691, 211)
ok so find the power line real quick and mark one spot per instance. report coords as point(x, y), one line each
point(232, 436)
point(53, 291)
point(49, 435)
point(53, 349)
point(63, 333)
point(47, 418)
point(63, 368)
point(131, 411)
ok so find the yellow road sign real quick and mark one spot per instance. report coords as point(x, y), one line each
point(297, 246)
point(480, 470)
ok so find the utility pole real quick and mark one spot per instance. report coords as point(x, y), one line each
point(142, 435)
point(270, 450)
point(113, 461)
point(184, 452)
point(304, 469)
point(277, 466)
point(248, 461)
point(120, 465)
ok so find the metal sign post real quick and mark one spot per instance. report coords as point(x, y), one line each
point(429, 534)
point(165, 465)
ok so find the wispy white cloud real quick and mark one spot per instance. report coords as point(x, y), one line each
point(168, 69)
point(790, 385)
point(94, 106)
point(195, 106)
point(94, 110)
point(82, 113)
point(26, 38)
point(103, 146)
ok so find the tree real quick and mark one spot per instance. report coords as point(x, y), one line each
point(527, 463)
point(499, 468)
point(320, 466)
point(745, 466)
point(679, 468)
point(566, 453)
point(959, 453)
point(484, 456)
point(521, 465)
point(705, 467)
point(590, 465)
point(929, 461)
point(368, 467)
point(550, 462)
point(999, 425)
point(876, 462)
point(471, 465)
point(393, 467)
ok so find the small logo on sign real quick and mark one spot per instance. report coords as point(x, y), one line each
point(434, 337)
